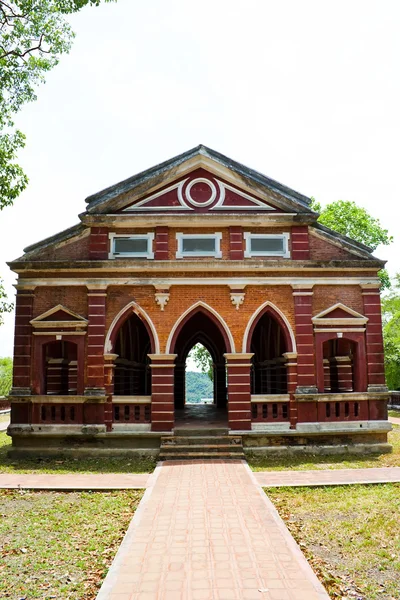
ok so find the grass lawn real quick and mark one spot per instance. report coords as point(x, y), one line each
point(394, 413)
point(308, 462)
point(101, 464)
point(349, 534)
point(60, 545)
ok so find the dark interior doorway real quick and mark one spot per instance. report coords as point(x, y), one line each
point(132, 370)
point(200, 328)
point(269, 373)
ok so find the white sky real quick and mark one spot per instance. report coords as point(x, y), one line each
point(306, 92)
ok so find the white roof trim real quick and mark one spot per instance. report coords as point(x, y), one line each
point(352, 313)
point(55, 309)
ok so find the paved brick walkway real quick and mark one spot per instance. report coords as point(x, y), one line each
point(206, 531)
point(327, 477)
point(78, 481)
point(394, 420)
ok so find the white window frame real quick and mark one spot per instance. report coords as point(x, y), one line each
point(248, 236)
point(180, 237)
point(149, 237)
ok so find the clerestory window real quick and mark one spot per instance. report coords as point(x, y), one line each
point(263, 244)
point(197, 244)
point(134, 246)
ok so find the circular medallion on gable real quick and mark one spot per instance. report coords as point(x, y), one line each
point(201, 192)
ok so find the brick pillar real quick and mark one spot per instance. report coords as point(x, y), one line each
point(220, 385)
point(109, 369)
point(239, 390)
point(180, 384)
point(161, 243)
point(291, 369)
point(98, 244)
point(22, 343)
point(236, 248)
point(374, 345)
point(162, 391)
point(95, 342)
point(300, 243)
point(306, 377)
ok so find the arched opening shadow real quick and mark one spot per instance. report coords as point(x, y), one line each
point(200, 327)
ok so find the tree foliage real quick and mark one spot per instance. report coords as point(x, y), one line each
point(33, 36)
point(6, 366)
point(354, 221)
point(5, 306)
point(391, 334)
point(203, 360)
point(198, 387)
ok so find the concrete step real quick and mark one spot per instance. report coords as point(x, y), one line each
point(204, 445)
point(200, 431)
point(204, 440)
point(200, 455)
point(170, 449)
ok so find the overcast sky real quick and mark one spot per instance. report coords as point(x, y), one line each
point(306, 92)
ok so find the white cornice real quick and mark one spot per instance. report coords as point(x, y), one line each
point(132, 265)
point(220, 281)
point(149, 220)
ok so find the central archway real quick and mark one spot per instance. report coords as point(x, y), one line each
point(201, 325)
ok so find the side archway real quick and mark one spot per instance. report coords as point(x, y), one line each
point(278, 315)
point(269, 338)
point(124, 314)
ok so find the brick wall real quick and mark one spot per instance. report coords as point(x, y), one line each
point(182, 297)
point(323, 250)
point(73, 250)
point(73, 297)
point(327, 295)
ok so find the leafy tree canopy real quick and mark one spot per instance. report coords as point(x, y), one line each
point(6, 366)
point(198, 387)
point(5, 306)
point(202, 359)
point(354, 221)
point(33, 36)
point(391, 334)
point(349, 219)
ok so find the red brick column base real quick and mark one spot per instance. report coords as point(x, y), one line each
point(306, 379)
point(162, 391)
point(291, 367)
point(95, 342)
point(239, 391)
point(109, 368)
point(22, 343)
point(374, 339)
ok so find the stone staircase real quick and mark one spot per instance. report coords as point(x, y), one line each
point(201, 443)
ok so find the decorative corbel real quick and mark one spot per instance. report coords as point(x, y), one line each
point(237, 295)
point(162, 296)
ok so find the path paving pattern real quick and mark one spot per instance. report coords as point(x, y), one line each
point(73, 481)
point(205, 530)
point(328, 477)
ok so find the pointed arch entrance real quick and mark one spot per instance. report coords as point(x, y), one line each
point(200, 325)
point(269, 338)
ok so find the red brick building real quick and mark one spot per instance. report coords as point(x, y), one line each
point(199, 249)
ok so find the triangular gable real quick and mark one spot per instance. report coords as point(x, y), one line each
point(339, 314)
point(59, 316)
point(251, 186)
point(199, 192)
